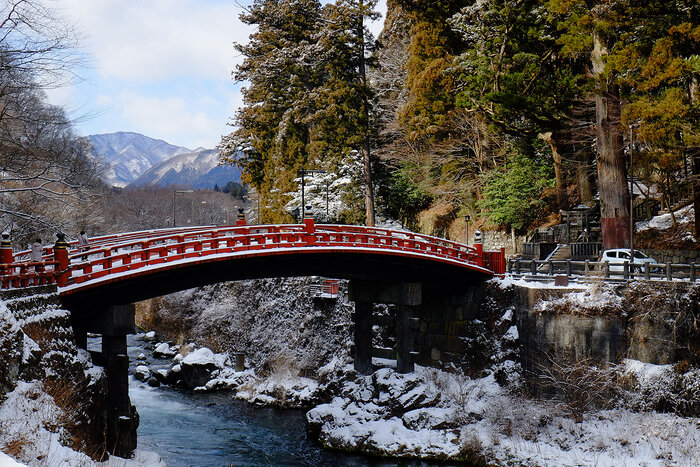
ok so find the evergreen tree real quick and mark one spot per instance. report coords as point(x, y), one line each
point(271, 141)
point(343, 102)
point(509, 72)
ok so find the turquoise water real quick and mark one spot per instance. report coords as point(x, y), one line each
point(211, 429)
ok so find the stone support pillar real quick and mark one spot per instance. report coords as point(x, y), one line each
point(405, 338)
point(362, 319)
point(122, 418)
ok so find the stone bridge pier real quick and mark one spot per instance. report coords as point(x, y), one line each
point(430, 325)
point(113, 322)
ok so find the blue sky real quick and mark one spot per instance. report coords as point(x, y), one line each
point(158, 67)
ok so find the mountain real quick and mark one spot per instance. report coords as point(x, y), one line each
point(197, 169)
point(128, 155)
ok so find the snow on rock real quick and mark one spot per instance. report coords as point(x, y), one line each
point(204, 356)
point(511, 334)
point(476, 419)
point(163, 350)
point(665, 221)
point(594, 299)
point(200, 366)
point(282, 389)
point(142, 373)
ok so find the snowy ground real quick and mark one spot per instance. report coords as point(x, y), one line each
point(665, 221)
point(30, 429)
point(434, 414)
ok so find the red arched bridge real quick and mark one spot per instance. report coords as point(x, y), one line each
point(100, 282)
point(136, 265)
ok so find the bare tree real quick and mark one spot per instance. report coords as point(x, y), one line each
point(44, 168)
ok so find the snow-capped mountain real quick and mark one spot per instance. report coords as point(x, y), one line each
point(197, 169)
point(128, 155)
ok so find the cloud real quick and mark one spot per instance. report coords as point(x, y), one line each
point(147, 40)
point(173, 119)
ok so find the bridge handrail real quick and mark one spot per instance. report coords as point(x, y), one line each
point(145, 252)
point(112, 254)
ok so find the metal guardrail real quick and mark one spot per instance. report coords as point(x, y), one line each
point(604, 270)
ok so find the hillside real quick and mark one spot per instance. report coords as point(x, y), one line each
point(128, 155)
point(197, 169)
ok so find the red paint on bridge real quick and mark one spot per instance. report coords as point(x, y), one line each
point(113, 258)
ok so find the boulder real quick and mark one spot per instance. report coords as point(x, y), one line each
point(142, 373)
point(199, 367)
point(163, 350)
point(153, 382)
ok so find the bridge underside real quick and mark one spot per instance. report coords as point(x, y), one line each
point(366, 266)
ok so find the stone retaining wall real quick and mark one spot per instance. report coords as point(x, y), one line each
point(675, 256)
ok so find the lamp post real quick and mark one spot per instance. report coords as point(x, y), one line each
point(631, 148)
point(303, 172)
point(177, 192)
point(466, 222)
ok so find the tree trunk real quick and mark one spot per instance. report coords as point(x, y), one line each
point(696, 164)
point(558, 172)
point(367, 163)
point(585, 180)
point(612, 172)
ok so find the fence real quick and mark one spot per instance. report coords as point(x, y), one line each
point(585, 250)
point(605, 270)
point(538, 250)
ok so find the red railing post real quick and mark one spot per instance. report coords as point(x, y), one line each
point(60, 254)
point(502, 261)
point(7, 257)
point(240, 219)
point(479, 247)
point(309, 225)
point(6, 254)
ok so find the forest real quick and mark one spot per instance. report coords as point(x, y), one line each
point(504, 111)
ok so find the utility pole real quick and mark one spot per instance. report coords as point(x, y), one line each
point(177, 192)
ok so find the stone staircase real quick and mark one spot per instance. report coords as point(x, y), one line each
point(561, 253)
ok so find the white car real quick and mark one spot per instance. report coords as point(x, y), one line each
point(618, 256)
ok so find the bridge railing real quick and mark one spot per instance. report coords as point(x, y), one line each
point(114, 254)
point(28, 274)
point(603, 270)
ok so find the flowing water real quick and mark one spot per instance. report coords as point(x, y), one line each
point(212, 429)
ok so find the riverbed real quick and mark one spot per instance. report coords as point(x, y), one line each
point(190, 428)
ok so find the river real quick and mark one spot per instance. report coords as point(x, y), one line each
point(212, 429)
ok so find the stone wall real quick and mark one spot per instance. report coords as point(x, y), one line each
point(675, 256)
point(652, 323)
point(497, 239)
point(38, 344)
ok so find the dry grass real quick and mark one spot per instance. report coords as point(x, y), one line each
point(78, 430)
point(15, 447)
point(579, 386)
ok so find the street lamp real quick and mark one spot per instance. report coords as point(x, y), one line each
point(631, 148)
point(177, 192)
point(303, 172)
point(466, 222)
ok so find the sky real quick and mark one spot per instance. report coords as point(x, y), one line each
point(157, 67)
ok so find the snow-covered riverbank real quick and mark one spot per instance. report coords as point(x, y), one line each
point(446, 415)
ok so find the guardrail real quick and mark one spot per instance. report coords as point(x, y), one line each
point(605, 270)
